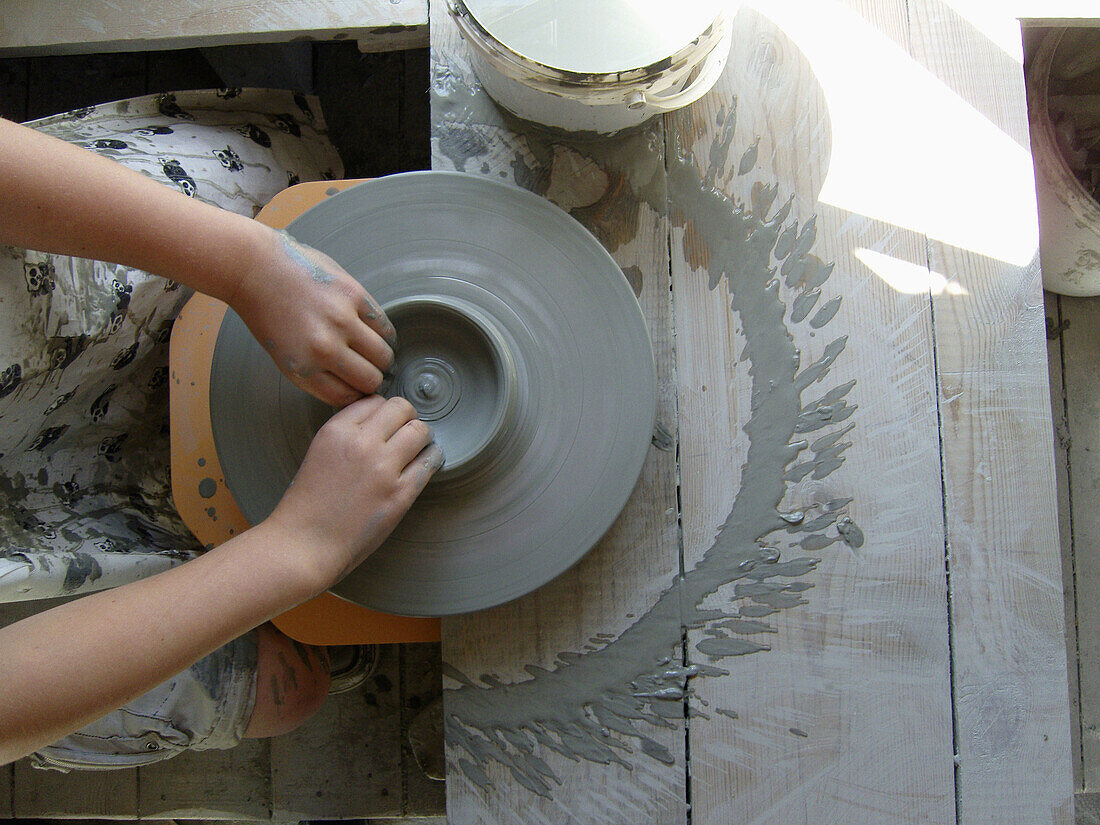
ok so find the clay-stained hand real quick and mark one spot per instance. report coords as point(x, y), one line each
point(322, 328)
point(362, 472)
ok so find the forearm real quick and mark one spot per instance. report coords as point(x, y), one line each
point(55, 197)
point(69, 666)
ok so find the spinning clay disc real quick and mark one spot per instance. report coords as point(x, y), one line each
point(518, 340)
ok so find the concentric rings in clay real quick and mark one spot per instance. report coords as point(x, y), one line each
point(543, 388)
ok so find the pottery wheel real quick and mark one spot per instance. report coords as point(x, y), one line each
point(518, 339)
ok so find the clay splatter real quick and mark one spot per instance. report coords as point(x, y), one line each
point(604, 703)
point(634, 278)
point(82, 568)
point(297, 252)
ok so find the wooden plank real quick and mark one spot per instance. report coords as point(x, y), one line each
point(422, 730)
point(215, 784)
point(1008, 645)
point(345, 761)
point(1047, 12)
point(394, 38)
point(1056, 325)
point(47, 794)
point(13, 89)
point(40, 27)
point(40, 794)
point(1082, 402)
point(996, 49)
point(543, 657)
point(61, 84)
point(815, 573)
point(1036, 17)
point(1088, 808)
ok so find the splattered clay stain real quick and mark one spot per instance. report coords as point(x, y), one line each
point(604, 704)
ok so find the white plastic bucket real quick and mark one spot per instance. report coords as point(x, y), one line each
point(594, 65)
point(1069, 218)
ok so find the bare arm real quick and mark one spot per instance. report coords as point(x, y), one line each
point(70, 665)
point(59, 198)
point(326, 333)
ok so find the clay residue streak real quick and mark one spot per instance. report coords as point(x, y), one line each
point(296, 253)
point(605, 704)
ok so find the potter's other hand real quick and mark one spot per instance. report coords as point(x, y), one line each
point(323, 330)
point(361, 474)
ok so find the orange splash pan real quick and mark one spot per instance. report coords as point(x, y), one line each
point(198, 485)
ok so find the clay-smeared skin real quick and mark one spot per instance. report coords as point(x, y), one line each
point(563, 350)
point(599, 705)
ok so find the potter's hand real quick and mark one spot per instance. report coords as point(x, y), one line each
point(363, 470)
point(361, 474)
point(321, 327)
point(323, 330)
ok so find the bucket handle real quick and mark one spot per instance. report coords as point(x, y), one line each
point(702, 84)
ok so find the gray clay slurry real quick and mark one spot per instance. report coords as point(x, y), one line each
point(459, 369)
point(526, 348)
point(602, 704)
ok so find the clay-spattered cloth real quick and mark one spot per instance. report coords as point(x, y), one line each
point(85, 497)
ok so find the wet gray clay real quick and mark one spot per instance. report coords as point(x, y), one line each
point(523, 345)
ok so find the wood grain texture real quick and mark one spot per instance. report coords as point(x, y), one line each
point(1059, 391)
point(1037, 14)
point(421, 693)
point(1081, 348)
point(42, 794)
point(844, 647)
point(345, 761)
point(40, 27)
point(393, 38)
point(605, 185)
point(1010, 683)
point(231, 784)
point(1087, 807)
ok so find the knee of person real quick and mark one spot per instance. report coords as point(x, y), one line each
point(292, 682)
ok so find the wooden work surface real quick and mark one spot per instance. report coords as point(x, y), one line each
point(836, 594)
point(44, 27)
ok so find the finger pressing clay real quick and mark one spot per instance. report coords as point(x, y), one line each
point(519, 341)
